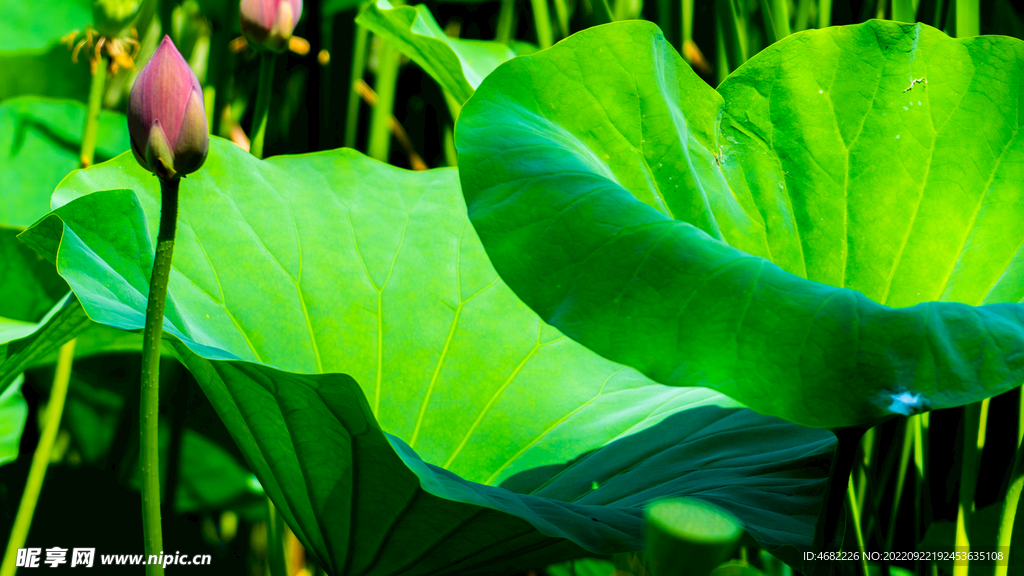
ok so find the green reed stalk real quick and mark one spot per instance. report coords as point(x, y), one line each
point(776, 19)
point(264, 91)
point(803, 15)
point(385, 84)
point(968, 18)
point(974, 441)
point(562, 15)
point(731, 33)
point(358, 69)
point(909, 436)
point(824, 13)
point(1004, 537)
point(542, 23)
point(904, 11)
point(851, 506)
point(506, 21)
point(326, 139)
point(40, 460)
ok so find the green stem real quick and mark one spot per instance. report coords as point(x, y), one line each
point(358, 69)
point(904, 11)
point(968, 20)
point(880, 9)
point(803, 15)
point(731, 33)
point(824, 13)
point(275, 541)
point(542, 22)
point(866, 465)
point(776, 19)
point(150, 404)
point(908, 425)
point(264, 90)
point(40, 460)
point(506, 21)
point(92, 114)
point(1004, 538)
point(562, 15)
point(721, 57)
point(973, 435)
point(687, 21)
point(851, 506)
point(385, 84)
point(327, 136)
point(826, 532)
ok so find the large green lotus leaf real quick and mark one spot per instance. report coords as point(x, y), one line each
point(26, 344)
point(35, 25)
point(40, 141)
point(333, 262)
point(52, 74)
point(779, 240)
point(457, 65)
point(29, 285)
point(13, 415)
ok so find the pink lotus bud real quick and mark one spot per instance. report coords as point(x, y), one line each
point(269, 23)
point(166, 116)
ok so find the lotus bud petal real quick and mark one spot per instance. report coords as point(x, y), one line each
point(166, 116)
point(269, 24)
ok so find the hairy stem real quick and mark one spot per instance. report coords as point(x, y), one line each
point(40, 460)
point(150, 401)
point(263, 92)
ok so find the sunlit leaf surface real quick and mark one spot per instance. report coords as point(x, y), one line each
point(780, 239)
point(322, 299)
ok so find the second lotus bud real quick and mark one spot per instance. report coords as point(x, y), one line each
point(269, 24)
point(166, 115)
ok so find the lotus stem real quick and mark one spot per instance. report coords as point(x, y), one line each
point(385, 84)
point(542, 23)
point(358, 69)
point(851, 505)
point(968, 20)
point(40, 459)
point(260, 113)
point(92, 114)
point(150, 404)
